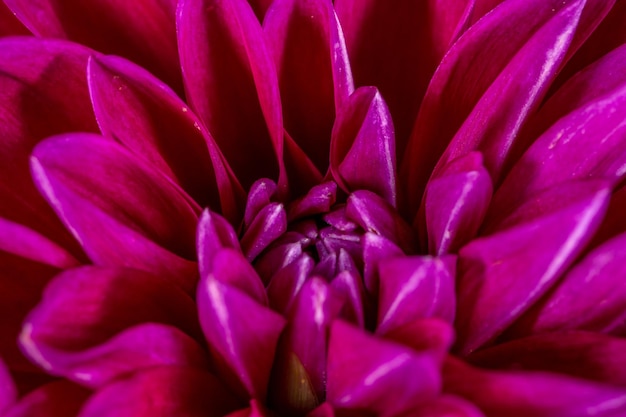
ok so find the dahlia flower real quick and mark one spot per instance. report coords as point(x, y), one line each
point(312, 208)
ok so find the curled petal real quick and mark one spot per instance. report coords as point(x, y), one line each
point(242, 335)
point(362, 150)
point(319, 199)
point(229, 78)
point(165, 391)
point(263, 192)
point(455, 204)
point(590, 296)
point(516, 266)
point(142, 31)
point(122, 212)
point(413, 288)
point(269, 224)
point(349, 285)
point(148, 118)
point(56, 399)
point(287, 282)
point(366, 373)
point(375, 249)
point(431, 334)
point(313, 71)
point(84, 307)
point(214, 233)
point(230, 267)
point(553, 395)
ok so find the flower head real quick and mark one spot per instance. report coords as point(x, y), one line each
point(312, 208)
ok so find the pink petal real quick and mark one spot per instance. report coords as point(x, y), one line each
point(230, 267)
point(269, 224)
point(397, 46)
point(8, 391)
point(415, 287)
point(537, 394)
point(48, 79)
point(166, 391)
point(590, 296)
point(318, 200)
point(349, 286)
point(123, 212)
point(447, 406)
point(242, 335)
point(586, 355)
point(324, 410)
point(263, 192)
point(299, 377)
point(375, 249)
point(362, 150)
point(375, 215)
point(511, 43)
point(142, 31)
point(369, 374)
point(56, 399)
point(456, 203)
point(288, 281)
point(503, 274)
point(260, 7)
point(313, 71)
point(148, 118)
point(214, 233)
point(424, 334)
point(229, 77)
point(592, 135)
point(83, 307)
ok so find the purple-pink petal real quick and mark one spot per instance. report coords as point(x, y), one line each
point(56, 399)
point(268, 225)
point(230, 77)
point(121, 211)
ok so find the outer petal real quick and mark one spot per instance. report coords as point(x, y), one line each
point(44, 92)
point(396, 46)
point(590, 297)
point(230, 78)
point(586, 355)
point(84, 307)
point(142, 31)
point(167, 391)
point(123, 212)
point(56, 399)
point(492, 54)
point(147, 117)
point(536, 394)
point(415, 287)
point(362, 152)
point(369, 374)
point(313, 71)
point(242, 335)
point(455, 204)
point(502, 275)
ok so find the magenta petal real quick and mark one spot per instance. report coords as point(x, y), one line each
point(167, 391)
point(142, 31)
point(24, 242)
point(506, 43)
point(44, 92)
point(514, 267)
point(324, 410)
point(586, 355)
point(242, 335)
point(147, 117)
point(230, 77)
point(83, 307)
point(313, 71)
point(269, 224)
point(537, 394)
point(230, 267)
point(456, 203)
point(287, 282)
point(367, 373)
point(319, 199)
point(122, 212)
point(375, 215)
point(587, 143)
point(415, 287)
point(56, 399)
point(375, 249)
point(136, 348)
point(397, 46)
point(590, 296)
point(447, 406)
point(9, 25)
point(430, 334)
point(362, 150)
point(214, 233)
point(349, 286)
point(300, 370)
point(262, 193)
point(8, 391)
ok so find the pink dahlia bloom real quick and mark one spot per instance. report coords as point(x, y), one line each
point(312, 208)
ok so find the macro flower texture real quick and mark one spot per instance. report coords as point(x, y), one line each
point(259, 208)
